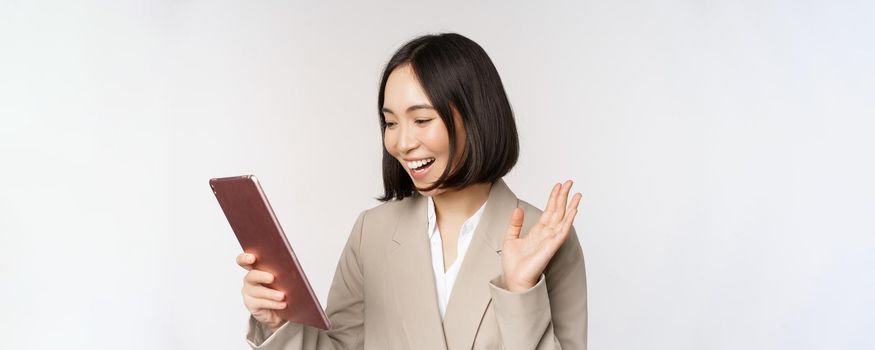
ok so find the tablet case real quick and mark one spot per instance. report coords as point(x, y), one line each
point(259, 232)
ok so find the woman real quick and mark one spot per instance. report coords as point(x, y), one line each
point(447, 262)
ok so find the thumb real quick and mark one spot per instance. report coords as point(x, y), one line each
point(516, 224)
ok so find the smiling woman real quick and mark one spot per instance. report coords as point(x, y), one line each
point(447, 261)
point(441, 83)
point(416, 139)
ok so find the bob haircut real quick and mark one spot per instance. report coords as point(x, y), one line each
point(456, 73)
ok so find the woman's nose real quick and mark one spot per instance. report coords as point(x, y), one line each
point(407, 140)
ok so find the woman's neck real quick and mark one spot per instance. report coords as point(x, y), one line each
point(461, 204)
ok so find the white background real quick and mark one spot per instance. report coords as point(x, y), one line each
point(724, 150)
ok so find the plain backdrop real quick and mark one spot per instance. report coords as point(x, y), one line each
point(724, 150)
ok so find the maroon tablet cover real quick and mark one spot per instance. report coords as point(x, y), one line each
point(259, 233)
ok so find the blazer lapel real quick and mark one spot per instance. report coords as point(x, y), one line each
point(482, 262)
point(413, 278)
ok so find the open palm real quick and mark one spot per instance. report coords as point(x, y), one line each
point(523, 260)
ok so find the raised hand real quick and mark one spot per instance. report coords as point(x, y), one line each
point(523, 260)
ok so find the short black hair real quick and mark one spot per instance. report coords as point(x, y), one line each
point(456, 73)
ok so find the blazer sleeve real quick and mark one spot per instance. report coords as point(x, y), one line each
point(345, 310)
point(553, 313)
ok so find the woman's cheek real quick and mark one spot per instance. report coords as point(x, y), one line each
point(439, 168)
point(387, 143)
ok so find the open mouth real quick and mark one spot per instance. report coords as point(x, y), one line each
point(420, 165)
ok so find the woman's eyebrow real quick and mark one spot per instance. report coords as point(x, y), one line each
point(409, 109)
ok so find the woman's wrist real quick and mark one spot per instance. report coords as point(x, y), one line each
point(277, 326)
point(517, 286)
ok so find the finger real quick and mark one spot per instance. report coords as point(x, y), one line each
point(553, 242)
point(245, 260)
point(568, 220)
point(551, 204)
point(572, 212)
point(258, 303)
point(516, 224)
point(258, 277)
point(561, 202)
point(566, 225)
point(575, 201)
point(263, 292)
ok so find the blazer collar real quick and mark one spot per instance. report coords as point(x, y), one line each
point(501, 201)
point(410, 262)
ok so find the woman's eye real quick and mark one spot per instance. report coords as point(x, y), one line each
point(390, 124)
point(422, 121)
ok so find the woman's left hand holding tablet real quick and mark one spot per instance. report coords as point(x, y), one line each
point(261, 301)
point(523, 260)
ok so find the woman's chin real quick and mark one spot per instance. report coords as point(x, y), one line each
point(428, 193)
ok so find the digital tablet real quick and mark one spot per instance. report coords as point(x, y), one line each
point(259, 233)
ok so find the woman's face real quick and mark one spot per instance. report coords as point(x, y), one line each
point(415, 134)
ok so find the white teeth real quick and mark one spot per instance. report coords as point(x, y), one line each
point(418, 163)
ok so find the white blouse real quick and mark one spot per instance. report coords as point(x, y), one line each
point(444, 281)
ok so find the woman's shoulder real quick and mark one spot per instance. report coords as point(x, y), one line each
point(529, 208)
point(391, 207)
point(391, 210)
point(375, 226)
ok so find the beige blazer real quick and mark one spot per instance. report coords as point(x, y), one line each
point(383, 294)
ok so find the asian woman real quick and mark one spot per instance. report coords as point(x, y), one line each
point(451, 259)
